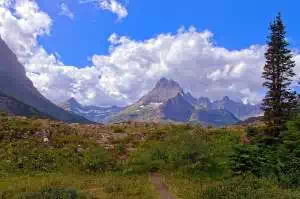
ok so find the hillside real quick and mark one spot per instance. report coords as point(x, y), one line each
point(15, 84)
point(48, 159)
point(15, 107)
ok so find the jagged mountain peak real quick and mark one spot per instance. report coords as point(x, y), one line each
point(164, 90)
point(168, 84)
point(72, 101)
point(226, 98)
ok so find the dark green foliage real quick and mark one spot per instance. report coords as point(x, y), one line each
point(281, 161)
point(256, 159)
point(3, 114)
point(252, 131)
point(54, 193)
point(280, 102)
point(290, 153)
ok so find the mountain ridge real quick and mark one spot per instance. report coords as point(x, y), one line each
point(15, 84)
point(92, 113)
point(167, 101)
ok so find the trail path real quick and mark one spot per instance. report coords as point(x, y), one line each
point(160, 187)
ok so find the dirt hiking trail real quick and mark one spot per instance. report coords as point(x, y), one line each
point(160, 187)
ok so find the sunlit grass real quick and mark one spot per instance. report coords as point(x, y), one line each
point(93, 186)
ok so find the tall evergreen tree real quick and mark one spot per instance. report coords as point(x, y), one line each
point(280, 101)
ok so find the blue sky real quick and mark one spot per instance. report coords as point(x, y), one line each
point(106, 52)
point(236, 24)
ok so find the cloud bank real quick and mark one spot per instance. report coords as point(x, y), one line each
point(133, 67)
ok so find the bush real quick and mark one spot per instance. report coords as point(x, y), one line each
point(281, 160)
point(186, 152)
point(252, 131)
point(257, 159)
point(98, 160)
point(54, 193)
point(3, 114)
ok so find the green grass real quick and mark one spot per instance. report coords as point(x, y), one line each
point(114, 161)
point(107, 185)
point(242, 187)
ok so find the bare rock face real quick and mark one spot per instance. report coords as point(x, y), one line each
point(164, 90)
point(15, 84)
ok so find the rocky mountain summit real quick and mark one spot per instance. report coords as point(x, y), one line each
point(167, 102)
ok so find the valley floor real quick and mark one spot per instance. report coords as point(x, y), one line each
point(172, 186)
point(43, 159)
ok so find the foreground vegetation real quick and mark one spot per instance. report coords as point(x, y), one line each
point(47, 159)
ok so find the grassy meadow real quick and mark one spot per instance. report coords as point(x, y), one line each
point(47, 159)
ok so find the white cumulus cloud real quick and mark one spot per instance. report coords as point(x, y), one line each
point(132, 67)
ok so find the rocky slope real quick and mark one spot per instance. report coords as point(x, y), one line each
point(15, 84)
point(168, 102)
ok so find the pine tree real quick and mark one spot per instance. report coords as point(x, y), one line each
point(280, 101)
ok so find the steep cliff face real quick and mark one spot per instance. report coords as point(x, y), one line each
point(14, 83)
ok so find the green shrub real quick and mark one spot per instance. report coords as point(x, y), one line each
point(54, 193)
point(98, 160)
point(257, 159)
point(181, 151)
point(3, 114)
point(252, 131)
point(119, 130)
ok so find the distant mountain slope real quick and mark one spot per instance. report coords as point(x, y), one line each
point(168, 102)
point(177, 109)
point(240, 110)
point(14, 83)
point(15, 107)
point(92, 113)
point(216, 117)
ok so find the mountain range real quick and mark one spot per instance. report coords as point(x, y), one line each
point(167, 102)
point(92, 113)
point(18, 91)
